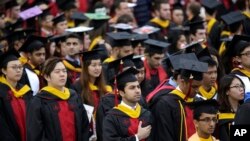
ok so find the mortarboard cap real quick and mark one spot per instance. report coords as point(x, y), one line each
point(30, 13)
point(118, 64)
point(204, 55)
point(97, 16)
point(210, 4)
point(126, 76)
point(233, 17)
point(45, 13)
point(79, 18)
point(146, 30)
point(138, 61)
point(138, 38)
point(91, 55)
point(79, 29)
point(18, 35)
point(120, 39)
point(155, 46)
point(237, 45)
point(194, 25)
point(10, 4)
point(122, 27)
point(191, 69)
point(210, 106)
point(66, 5)
point(194, 47)
point(175, 59)
point(59, 18)
point(59, 38)
point(8, 56)
point(33, 42)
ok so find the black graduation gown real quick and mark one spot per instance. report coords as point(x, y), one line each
point(74, 71)
point(106, 103)
point(214, 35)
point(9, 129)
point(223, 127)
point(117, 124)
point(168, 123)
point(43, 117)
point(243, 113)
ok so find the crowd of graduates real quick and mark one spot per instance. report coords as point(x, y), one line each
point(127, 70)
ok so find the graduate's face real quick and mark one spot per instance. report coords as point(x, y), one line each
point(206, 124)
point(178, 16)
point(194, 87)
point(72, 46)
point(181, 42)
point(61, 27)
point(123, 9)
point(58, 76)
point(125, 51)
point(236, 90)
point(200, 34)
point(210, 77)
point(37, 57)
point(165, 11)
point(13, 71)
point(139, 49)
point(141, 75)
point(244, 59)
point(95, 68)
point(155, 60)
point(15, 11)
point(131, 93)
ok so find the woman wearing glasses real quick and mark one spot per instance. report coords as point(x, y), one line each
point(230, 95)
point(56, 113)
point(14, 98)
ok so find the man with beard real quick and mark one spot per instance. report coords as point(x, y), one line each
point(34, 47)
point(72, 60)
point(121, 45)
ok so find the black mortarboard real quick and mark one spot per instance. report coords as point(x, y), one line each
point(155, 46)
point(59, 18)
point(233, 17)
point(138, 38)
point(177, 5)
point(45, 13)
point(119, 64)
point(210, 4)
point(79, 18)
point(18, 35)
point(120, 39)
point(59, 38)
point(122, 27)
point(237, 45)
point(91, 55)
point(210, 106)
point(8, 56)
point(175, 59)
point(194, 47)
point(138, 62)
point(10, 4)
point(33, 42)
point(191, 69)
point(194, 25)
point(66, 5)
point(126, 76)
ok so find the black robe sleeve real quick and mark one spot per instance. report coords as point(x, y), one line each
point(34, 123)
point(243, 114)
point(166, 124)
point(110, 132)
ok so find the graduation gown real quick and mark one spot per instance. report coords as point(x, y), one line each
point(214, 30)
point(74, 71)
point(57, 116)
point(223, 126)
point(106, 103)
point(243, 113)
point(241, 72)
point(173, 118)
point(32, 77)
point(120, 125)
point(13, 112)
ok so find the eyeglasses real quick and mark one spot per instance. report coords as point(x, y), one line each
point(238, 86)
point(208, 120)
point(247, 54)
point(17, 67)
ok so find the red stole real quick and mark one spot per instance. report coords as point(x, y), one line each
point(67, 121)
point(189, 121)
point(162, 75)
point(19, 110)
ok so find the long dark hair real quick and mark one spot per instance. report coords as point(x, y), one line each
point(86, 94)
point(225, 83)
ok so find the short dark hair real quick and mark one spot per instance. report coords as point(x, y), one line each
point(157, 4)
point(125, 18)
point(50, 65)
point(194, 7)
point(73, 35)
